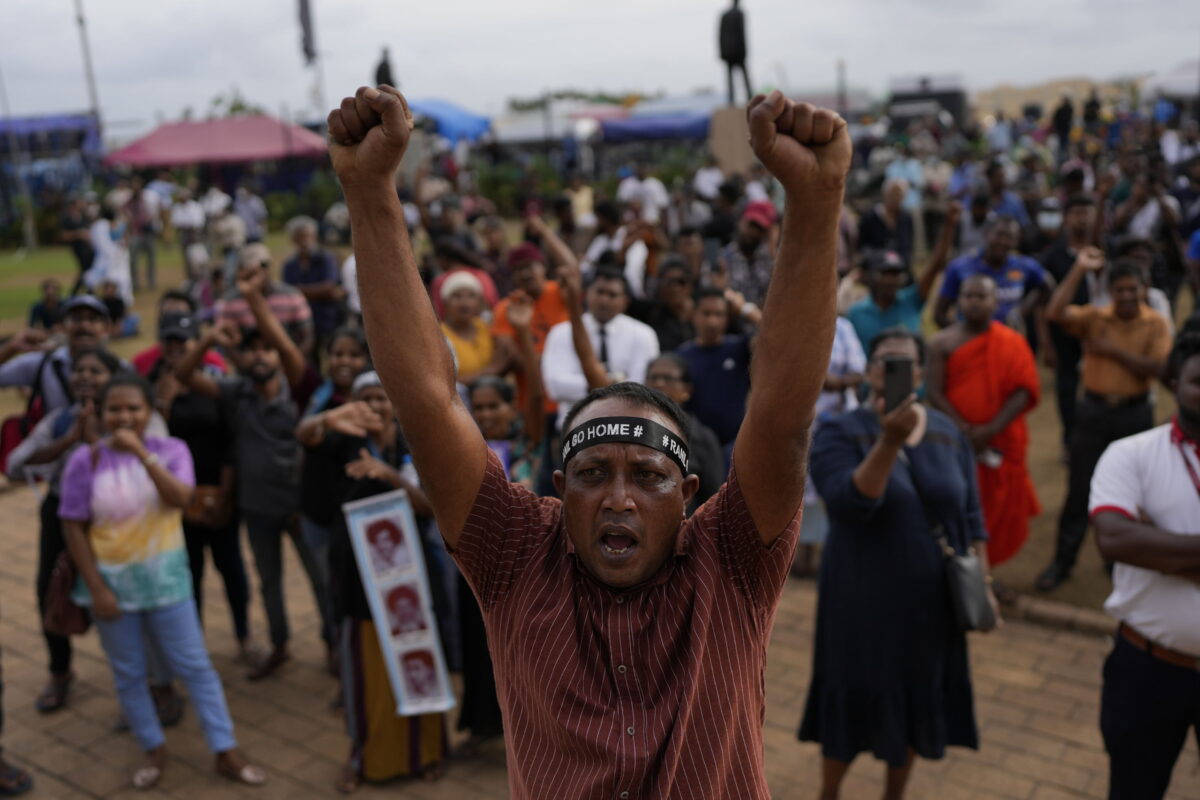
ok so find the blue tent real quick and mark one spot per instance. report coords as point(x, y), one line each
point(666, 126)
point(453, 122)
point(54, 133)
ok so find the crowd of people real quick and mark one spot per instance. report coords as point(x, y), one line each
point(259, 408)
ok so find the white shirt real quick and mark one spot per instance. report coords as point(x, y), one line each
point(187, 215)
point(1146, 473)
point(707, 182)
point(655, 199)
point(629, 189)
point(756, 192)
point(350, 284)
point(632, 345)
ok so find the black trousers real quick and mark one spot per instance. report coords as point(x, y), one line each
point(50, 544)
point(1066, 378)
point(1147, 708)
point(1097, 425)
point(225, 546)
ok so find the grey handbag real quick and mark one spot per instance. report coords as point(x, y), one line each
point(964, 573)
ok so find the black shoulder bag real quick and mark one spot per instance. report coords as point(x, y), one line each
point(964, 573)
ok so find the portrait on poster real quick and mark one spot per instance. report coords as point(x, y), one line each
point(387, 548)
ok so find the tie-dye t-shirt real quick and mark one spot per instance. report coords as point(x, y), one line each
point(137, 539)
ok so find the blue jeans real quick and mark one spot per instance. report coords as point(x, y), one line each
point(176, 631)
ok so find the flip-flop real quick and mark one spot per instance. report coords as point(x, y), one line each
point(54, 694)
point(14, 781)
point(247, 774)
point(147, 777)
point(347, 782)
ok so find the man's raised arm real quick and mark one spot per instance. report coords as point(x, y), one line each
point(808, 151)
point(368, 135)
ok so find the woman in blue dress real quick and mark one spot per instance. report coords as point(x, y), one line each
point(890, 669)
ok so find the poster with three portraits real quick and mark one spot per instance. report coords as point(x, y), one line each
point(387, 548)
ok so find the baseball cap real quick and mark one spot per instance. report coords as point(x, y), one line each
point(255, 254)
point(177, 325)
point(761, 213)
point(884, 261)
point(86, 301)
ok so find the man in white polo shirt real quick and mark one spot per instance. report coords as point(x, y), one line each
point(1145, 504)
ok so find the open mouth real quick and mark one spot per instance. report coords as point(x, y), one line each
point(617, 544)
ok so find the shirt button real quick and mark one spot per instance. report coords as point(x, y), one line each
point(621, 668)
point(624, 795)
point(629, 730)
point(620, 600)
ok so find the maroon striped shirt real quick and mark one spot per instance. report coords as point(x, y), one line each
point(650, 693)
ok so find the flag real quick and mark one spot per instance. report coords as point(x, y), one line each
point(308, 43)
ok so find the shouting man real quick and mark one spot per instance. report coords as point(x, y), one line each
point(629, 642)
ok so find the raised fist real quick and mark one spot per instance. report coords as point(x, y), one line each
point(807, 149)
point(1091, 259)
point(368, 134)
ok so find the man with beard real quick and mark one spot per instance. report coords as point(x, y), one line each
point(1145, 504)
point(22, 363)
point(748, 261)
point(629, 642)
point(259, 401)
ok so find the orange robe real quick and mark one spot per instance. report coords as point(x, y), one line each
point(980, 376)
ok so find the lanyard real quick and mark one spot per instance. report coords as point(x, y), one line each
point(1177, 438)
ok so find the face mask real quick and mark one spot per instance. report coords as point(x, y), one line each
point(1049, 220)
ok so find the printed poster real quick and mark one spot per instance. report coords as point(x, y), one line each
point(387, 547)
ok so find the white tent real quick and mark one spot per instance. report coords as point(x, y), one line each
point(1181, 81)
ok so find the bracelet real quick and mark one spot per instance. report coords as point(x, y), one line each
point(150, 460)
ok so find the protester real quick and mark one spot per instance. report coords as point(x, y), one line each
point(670, 314)
point(1021, 283)
point(1145, 500)
point(47, 313)
point(481, 514)
point(173, 305)
point(285, 302)
point(476, 351)
point(982, 375)
point(121, 509)
point(719, 363)
point(266, 454)
point(890, 668)
point(670, 374)
point(210, 521)
point(313, 271)
point(362, 438)
point(187, 220)
point(43, 454)
point(252, 211)
point(888, 225)
point(890, 302)
point(74, 229)
point(1125, 347)
point(142, 211)
point(746, 264)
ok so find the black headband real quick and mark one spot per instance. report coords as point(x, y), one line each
point(626, 430)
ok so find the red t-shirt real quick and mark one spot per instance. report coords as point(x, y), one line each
point(144, 361)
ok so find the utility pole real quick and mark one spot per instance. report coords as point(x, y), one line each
point(88, 72)
point(841, 87)
point(18, 159)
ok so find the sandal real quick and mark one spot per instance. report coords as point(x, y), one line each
point(54, 694)
point(147, 777)
point(168, 705)
point(434, 772)
point(1050, 578)
point(348, 780)
point(14, 780)
point(240, 771)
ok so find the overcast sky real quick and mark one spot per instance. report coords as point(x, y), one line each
point(155, 58)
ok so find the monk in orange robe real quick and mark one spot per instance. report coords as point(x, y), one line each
point(983, 375)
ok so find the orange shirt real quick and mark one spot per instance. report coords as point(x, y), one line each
point(1147, 334)
point(548, 311)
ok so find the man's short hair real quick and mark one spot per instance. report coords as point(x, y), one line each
point(1125, 269)
point(707, 292)
point(1187, 346)
point(679, 362)
point(180, 296)
point(901, 334)
point(1001, 219)
point(301, 223)
point(610, 273)
point(1080, 201)
point(607, 211)
point(636, 394)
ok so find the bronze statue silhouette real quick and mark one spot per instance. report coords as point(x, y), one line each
point(731, 39)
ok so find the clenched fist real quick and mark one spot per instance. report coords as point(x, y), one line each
point(807, 149)
point(368, 134)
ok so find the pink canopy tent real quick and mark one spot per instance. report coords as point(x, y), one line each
point(220, 141)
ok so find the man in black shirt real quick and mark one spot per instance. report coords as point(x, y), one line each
point(1064, 350)
point(74, 230)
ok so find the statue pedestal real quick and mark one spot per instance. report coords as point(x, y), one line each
point(729, 140)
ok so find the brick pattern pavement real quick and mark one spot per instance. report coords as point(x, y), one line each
point(1037, 695)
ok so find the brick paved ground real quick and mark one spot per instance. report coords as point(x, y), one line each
point(1036, 688)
